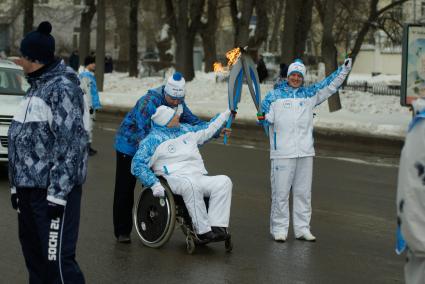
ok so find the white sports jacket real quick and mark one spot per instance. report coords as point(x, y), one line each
point(289, 114)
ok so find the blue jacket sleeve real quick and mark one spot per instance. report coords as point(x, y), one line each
point(146, 107)
point(141, 163)
point(70, 145)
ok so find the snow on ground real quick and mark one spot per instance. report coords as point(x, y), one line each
point(361, 112)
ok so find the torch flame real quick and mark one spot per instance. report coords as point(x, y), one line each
point(218, 67)
point(232, 57)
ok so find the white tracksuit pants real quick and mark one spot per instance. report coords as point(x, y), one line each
point(194, 188)
point(295, 173)
point(414, 269)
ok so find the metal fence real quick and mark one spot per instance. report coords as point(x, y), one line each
point(374, 88)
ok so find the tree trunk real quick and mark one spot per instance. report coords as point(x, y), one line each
point(184, 24)
point(85, 29)
point(289, 29)
point(304, 15)
point(208, 36)
point(133, 28)
point(242, 37)
point(100, 44)
point(121, 10)
point(273, 45)
point(329, 51)
point(28, 16)
point(298, 15)
point(262, 26)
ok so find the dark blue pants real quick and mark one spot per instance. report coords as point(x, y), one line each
point(48, 244)
point(123, 195)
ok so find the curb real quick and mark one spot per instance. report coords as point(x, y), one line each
point(324, 137)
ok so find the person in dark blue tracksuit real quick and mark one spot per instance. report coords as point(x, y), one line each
point(133, 129)
point(48, 162)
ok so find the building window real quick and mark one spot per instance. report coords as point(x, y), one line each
point(41, 2)
point(77, 2)
point(423, 9)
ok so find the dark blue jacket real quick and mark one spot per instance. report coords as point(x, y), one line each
point(137, 123)
point(47, 139)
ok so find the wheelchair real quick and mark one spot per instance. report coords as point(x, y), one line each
point(155, 219)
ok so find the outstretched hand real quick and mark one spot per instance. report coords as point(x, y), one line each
point(226, 131)
point(348, 63)
point(158, 190)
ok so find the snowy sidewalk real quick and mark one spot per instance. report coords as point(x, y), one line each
point(361, 114)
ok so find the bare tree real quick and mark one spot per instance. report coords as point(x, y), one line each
point(241, 21)
point(241, 18)
point(28, 16)
point(184, 17)
point(276, 10)
point(121, 10)
point(100, 44)
point(85, 29)
point(133, 39)
point(298, 15)
point(373, 16)
point(208, 31)
point(326, 9)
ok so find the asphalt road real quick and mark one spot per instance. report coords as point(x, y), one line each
point(353, 219)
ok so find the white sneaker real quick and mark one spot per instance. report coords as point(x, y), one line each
point(279, 237)
point(308, 236)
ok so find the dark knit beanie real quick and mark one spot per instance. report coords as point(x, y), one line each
point(39, 45)
point(89, 60)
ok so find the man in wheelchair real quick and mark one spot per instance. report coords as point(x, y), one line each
point(171, 150)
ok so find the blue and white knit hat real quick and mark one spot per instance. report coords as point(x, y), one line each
point(163, 115)
point(297, 66)
point(175, 86)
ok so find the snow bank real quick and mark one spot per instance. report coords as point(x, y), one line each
point(362, 112)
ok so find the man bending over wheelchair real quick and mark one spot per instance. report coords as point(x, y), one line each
point(171, 150)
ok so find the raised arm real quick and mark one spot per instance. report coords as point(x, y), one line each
point(324, 89)
point(214, 125)
point(143, 160)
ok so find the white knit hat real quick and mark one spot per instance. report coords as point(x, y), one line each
point(163, 115)
point(175, 86)
point(297, 66)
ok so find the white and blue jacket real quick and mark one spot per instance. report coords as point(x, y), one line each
point(47, 139)
point(411, 185)
point(89, 86)
point(173, 151)
point(289, 114)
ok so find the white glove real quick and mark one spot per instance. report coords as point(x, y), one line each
point(347, 64)
point(158, 190)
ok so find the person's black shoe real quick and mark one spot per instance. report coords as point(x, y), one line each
point(206, 237)
point(221, 234)
point(124, 239)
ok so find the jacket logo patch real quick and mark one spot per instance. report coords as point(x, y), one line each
point(421, 170)
point(171, 148)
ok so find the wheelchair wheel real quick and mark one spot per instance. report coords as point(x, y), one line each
point(154, 218)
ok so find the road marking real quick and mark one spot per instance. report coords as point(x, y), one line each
point(108, 129)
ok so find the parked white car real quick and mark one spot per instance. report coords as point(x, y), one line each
point(13, 86)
